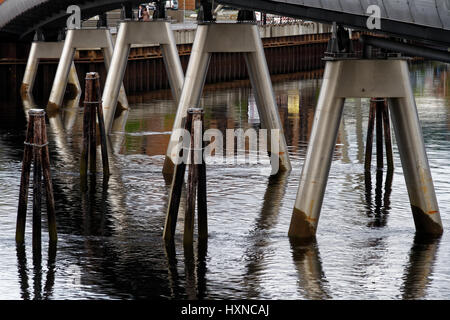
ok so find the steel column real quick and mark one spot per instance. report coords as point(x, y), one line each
point(173, 65)
point(108, 52)
point(115, 76)
point(134, 32)
point(265, 99)
point(77, 39)
point(191, 93)
point(416, 169)
point(30, 70)
point(327, 119)
point(62, 73)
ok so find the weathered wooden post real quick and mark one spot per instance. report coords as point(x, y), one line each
point(93, 107)
point(379, 112)
point(387, 138)
point(37, 180)
point(25, 181)
point(379, 125)
point(196, 185)
point(196, 162)
point(369, 140)
point(36, 151)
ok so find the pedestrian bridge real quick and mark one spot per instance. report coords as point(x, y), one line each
point(385, 77)
point(19, 19)
point(427, 20)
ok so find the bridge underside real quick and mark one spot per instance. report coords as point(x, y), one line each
point(425, 20)
point(19, 19)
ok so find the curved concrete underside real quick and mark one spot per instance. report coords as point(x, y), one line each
point(427, 20)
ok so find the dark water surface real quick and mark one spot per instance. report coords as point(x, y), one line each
point(110, 239)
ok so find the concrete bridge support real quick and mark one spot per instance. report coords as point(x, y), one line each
point(44, 50)
point(137, 32)
point(228, 37)
point(365, 79)
point(81, 39)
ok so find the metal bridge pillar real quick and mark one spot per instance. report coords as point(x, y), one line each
point(44, 50)
point(138, 32)
point(81, 39)
point(365, 79)
point(228, 37)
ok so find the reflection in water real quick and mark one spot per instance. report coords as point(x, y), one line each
point(113, 232)
point(28, 103)
point(94, 210)
point(379, 208)
point(23, 271)
point(116, 139)
point(420, 267)
point(172, 268)
point(312, 281)
point(194, 270)
point(260, 235)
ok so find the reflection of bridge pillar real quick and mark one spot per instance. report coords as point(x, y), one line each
point(365, 79)
point(227, 37)
point(136, 32)
point(80, 39)
point(44, 50)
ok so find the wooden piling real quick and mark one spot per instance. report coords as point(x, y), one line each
point(92, 126)
point(101, 126)
point(369, 141)
point(388, 137)
point(379, 127)
point(25, 181)
point(202, 211)
point(93, 111)
point(175, 192)
point(51, 215)
point(36, 150)
point(85, 148)
point(192, 185)
point(37, 179)
point(196, 185)
point(379, 110)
